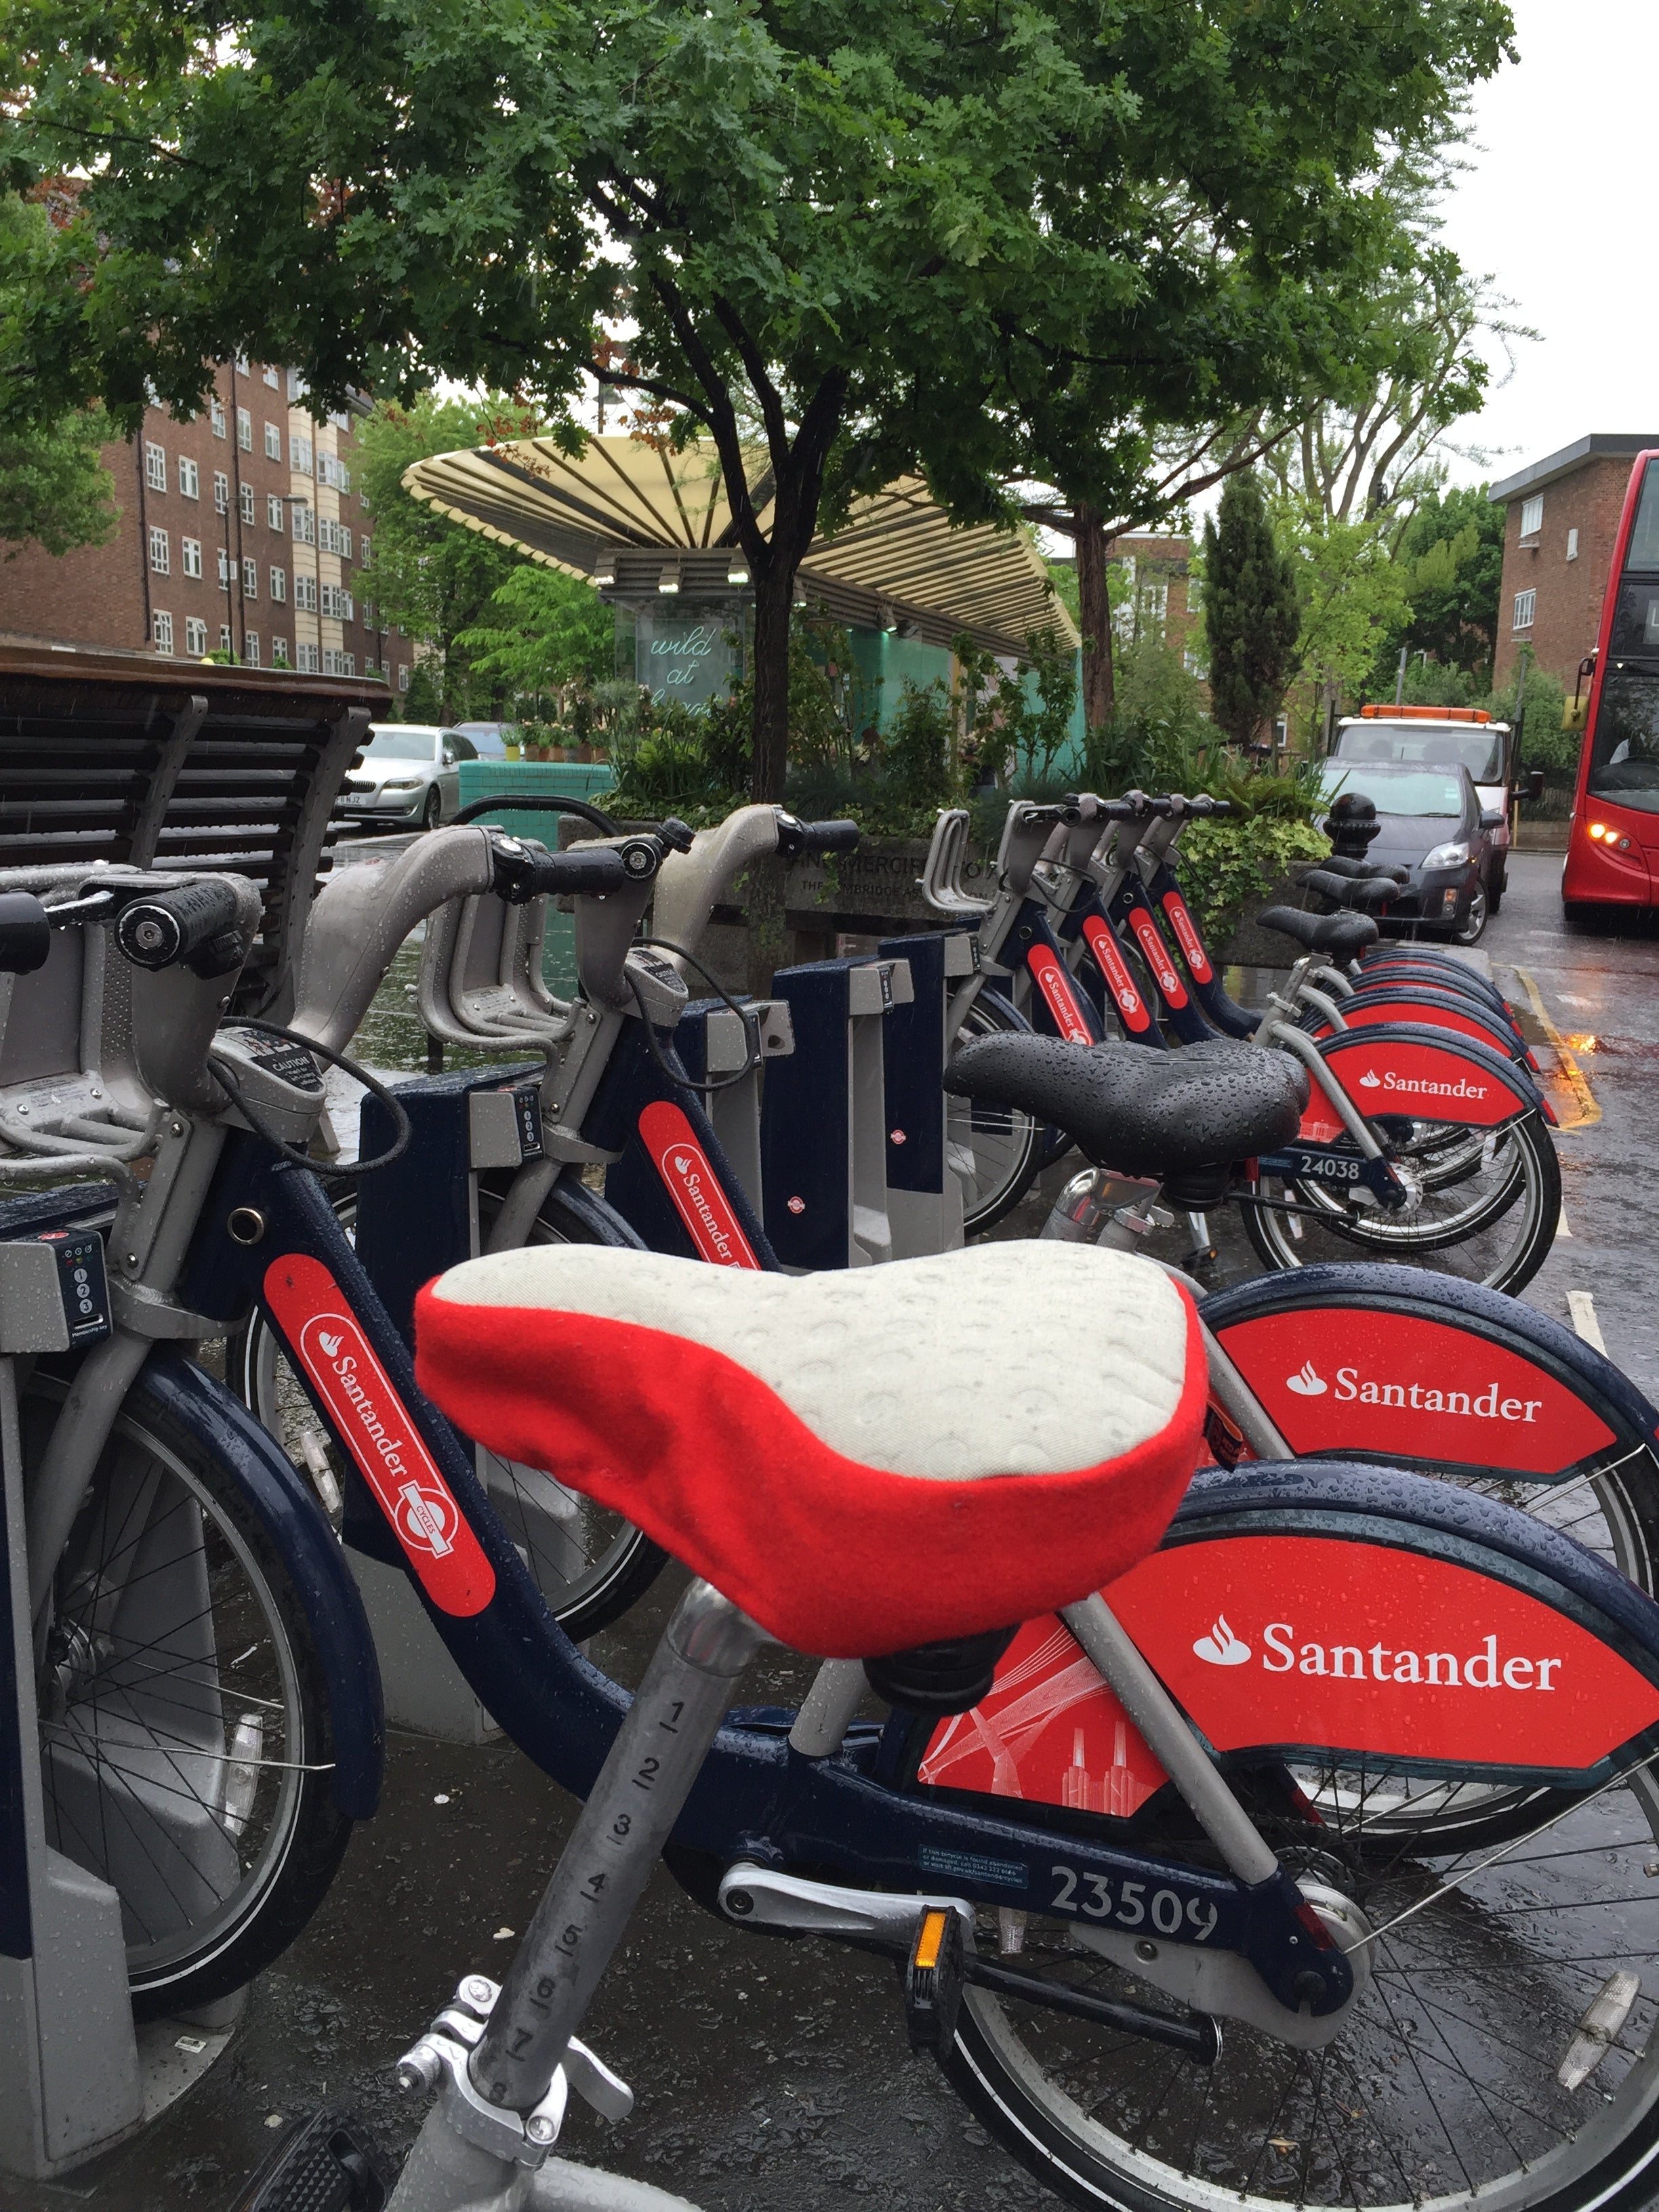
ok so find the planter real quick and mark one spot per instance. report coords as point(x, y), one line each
point(1250, 946)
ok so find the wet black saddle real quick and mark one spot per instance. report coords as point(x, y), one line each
point(1142, 1113)
point(1358, 894)
point(1345, 935)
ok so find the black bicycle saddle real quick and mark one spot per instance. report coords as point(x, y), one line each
point(1361, 895)
point(1346, 935)
point(1142, 1113)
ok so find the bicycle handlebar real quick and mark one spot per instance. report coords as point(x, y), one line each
point(182, 924)
point(25, 933)
point(797, 838)
point(521, 875)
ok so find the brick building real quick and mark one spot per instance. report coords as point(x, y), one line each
point(240, 531)
point(1562, 516)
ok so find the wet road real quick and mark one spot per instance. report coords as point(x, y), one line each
point(772, 2076)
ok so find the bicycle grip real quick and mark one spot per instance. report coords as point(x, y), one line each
point(830, 836)
point(161, 931)
point(25, 933)
point(563, 874)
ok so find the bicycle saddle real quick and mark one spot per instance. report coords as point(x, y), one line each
point(1362, 895)
point(1142, 1113)
point(863, 1462)
point(1346, 935)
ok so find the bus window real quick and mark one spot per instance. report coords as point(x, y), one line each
point(1644, 549)
point(1636, 619)
point(1624, 765)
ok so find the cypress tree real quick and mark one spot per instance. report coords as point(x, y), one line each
point(1251, 613)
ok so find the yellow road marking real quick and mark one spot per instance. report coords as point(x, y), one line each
point(1572, 1074)
point(1581, 1304)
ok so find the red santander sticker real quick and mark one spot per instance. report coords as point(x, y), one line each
point(1055, 985)
point(1131, 1007)
point(697, 1192)
point(323, 1333)
point(1336, 1378)
point(1187, 936)
point(1150, 939)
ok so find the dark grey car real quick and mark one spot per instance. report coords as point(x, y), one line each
point(1432, 823)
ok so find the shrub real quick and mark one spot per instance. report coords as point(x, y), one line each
point(1229, 864)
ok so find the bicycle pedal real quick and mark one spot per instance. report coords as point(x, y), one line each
point(933, 1975)
point(328, 2162)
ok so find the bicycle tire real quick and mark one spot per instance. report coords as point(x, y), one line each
point(138, 1759)
point(1442, 2085)
point(1008, 1140)
point(1330, 1233)
point(616, 1574)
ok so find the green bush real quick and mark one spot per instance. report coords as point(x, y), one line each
point(1231, 863)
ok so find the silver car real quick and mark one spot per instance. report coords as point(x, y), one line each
point(411, 775)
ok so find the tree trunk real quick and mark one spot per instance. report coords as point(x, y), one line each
point(1099, 690)
point(774, 592)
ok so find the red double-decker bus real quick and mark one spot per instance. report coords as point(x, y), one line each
point(1612, 840)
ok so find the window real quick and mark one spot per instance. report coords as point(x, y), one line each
point(190, 479)
point(1572, 545)
point(251, 648)
point(339, 664)
point(1526, 605)
point(1532, 515)
point(296, 386)
point(273, 442)
point(299, 454)
point(305, 594)
point(247, 502)
point(279, 586)
point(250, 578)
point(332, 537)
point(163, 632)
point(217, 416)
point(221, 491)
point(245, 429)
point(241, 360)
point(308, 658)
point(402, 678)
point(190, 556)
point(160, 560)
point(224, 570)
point(195, 634)
point(369, 613)
point(274, 511)
point(363, 548)
point(279, 652)
point(224, 637)
point(155, 467)
point(271, 375)
point(331, 471)
point(305, 525)
point(337, 604)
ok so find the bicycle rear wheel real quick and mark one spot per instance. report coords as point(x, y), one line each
point(1445, 2082)
point(186, 1746)
point(589, 1564)
point(1483, 1206)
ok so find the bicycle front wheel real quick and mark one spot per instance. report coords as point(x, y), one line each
point(1003, 1150)
point(186, 1748)
point(589, 1564)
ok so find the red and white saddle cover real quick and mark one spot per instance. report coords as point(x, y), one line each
point(862, 1460)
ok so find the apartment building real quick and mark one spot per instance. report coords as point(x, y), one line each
point(1561, 516)
point(242, 530)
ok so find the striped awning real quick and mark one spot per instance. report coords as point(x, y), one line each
point(627, 508)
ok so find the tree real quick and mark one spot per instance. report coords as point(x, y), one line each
point(54, 487)
point(543, 632)
point(1252, 612)
point(971, 240)
point(433, 578)
point(1452, 554)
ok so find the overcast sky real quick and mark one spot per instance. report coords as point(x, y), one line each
point(1560, 193)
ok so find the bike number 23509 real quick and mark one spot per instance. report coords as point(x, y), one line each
point(1192, 1918)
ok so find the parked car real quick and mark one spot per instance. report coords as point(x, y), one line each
point(410, 774)
point(1448, 737)
point(1432, 823)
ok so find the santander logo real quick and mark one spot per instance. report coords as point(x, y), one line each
point(1055, 985)
point(1151, 940)
point(373, 1424)
point(698, 1195)
point(1423, 1086)
point(1130, 1004)
point(1307, 1383)
point(1187, 937)
point(1221, 1647)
